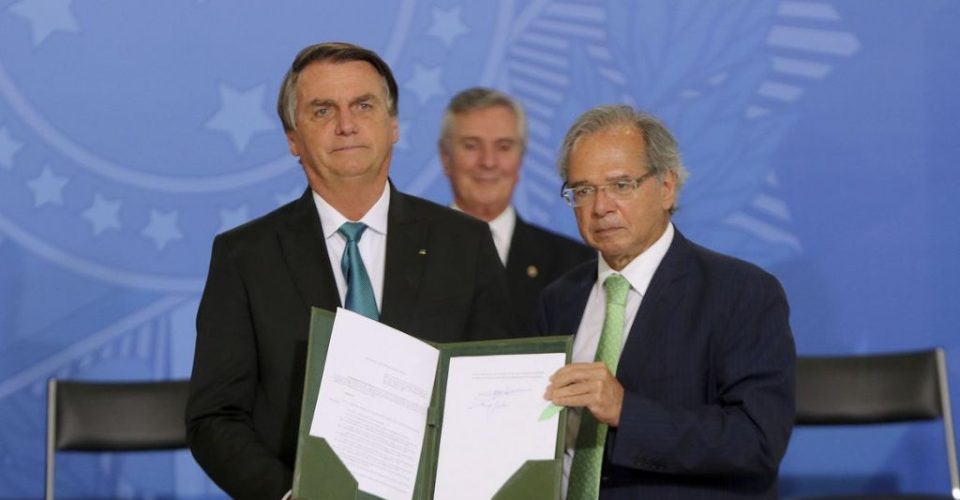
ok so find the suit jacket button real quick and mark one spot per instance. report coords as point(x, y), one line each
point(532, 271)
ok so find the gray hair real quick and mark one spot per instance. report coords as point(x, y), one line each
point(663, 155)
point(480, 98)
point(336, 52)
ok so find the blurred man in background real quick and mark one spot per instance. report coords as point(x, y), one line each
point(483, 138)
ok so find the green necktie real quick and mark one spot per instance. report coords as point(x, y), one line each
point(360, 296)
point(588, 455)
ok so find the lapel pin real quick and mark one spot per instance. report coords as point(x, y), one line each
point(423, 251)
point(532, 271)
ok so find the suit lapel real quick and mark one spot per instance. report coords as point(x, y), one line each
point(405, 259)
point(518, 257)
point(305, 253)
point(665, 292)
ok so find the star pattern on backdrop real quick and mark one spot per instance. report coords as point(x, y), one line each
point(47, 188)
point(241, 115)
point(447, 25)
point(425, 83)
point(162, 228)
point(8, 148)
point(46, 17)
point(103, 214)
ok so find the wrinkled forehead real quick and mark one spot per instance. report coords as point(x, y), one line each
point(341, 80)
point(607, 155)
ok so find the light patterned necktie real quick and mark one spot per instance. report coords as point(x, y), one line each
point(588, 455)
point(360, 296)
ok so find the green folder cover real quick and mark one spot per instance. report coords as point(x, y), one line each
point(328, 477)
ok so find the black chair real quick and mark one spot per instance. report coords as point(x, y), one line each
point(113, 416)
point(856, 390)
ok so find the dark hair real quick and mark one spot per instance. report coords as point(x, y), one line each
point(336, 52)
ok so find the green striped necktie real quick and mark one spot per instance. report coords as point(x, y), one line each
point(588, 456)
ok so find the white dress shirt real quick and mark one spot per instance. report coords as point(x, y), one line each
point(372, 244)
point(501, 227)
point(502, 230)
point(638, 273)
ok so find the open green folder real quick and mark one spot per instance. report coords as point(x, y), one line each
point(320, 473)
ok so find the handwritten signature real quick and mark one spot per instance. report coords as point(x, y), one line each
point(493, 400)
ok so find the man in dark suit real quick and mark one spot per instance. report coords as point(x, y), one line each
point(682, 385)
point(426, 269)
point(483, 138)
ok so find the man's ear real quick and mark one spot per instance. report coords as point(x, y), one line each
point(292, 142)
point(668, 190)
point(446, 160)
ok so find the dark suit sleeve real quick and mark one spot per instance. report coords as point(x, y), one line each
point(745, 426)
point(223, 386)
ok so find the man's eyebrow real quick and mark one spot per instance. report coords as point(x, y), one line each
point(317, 103)
point(614, 178)
point(365, 97)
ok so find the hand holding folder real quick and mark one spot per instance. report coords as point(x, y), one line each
point(386, 415)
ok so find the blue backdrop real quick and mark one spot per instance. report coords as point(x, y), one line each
point(821, 138)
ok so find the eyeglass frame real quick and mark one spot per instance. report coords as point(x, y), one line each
point(567, 192)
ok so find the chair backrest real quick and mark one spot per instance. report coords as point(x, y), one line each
point(899, 387)
point(113, 416)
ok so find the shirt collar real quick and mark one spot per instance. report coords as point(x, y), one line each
point(503, 224)
point(639, 272)
point(375, 218)
point(508, 215)
point(501, 228)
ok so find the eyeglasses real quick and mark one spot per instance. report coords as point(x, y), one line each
point(621, 189)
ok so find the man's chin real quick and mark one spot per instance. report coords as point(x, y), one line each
point(485, 199)
point(608, 245)
point(354, 171)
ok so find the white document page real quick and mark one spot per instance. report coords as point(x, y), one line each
point(372, 403)
point(491, 422)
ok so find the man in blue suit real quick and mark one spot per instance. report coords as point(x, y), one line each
point(682, 385)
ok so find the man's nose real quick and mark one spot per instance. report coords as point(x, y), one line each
point(488, 157)
point(602, 202)
point(346, 123)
